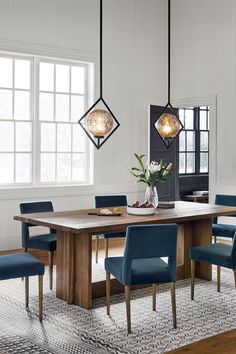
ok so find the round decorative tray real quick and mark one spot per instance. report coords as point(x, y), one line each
point(140, 211)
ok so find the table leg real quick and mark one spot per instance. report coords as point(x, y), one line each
point(65, 266)
point(202, 235)
point(194, 233)
point(83, 270)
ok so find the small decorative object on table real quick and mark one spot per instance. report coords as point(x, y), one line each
point(151, 175)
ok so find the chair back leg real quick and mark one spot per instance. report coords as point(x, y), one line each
point(26, 292)
point(173, 302)
point(192, 278)
point(40, 285)
point(218, 278)
point(108, 291)
point(154, 294)
point(128, 315)
point(50, 261)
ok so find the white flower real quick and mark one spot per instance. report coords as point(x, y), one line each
point(154, 167)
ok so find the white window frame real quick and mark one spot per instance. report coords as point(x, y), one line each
point(34, 118)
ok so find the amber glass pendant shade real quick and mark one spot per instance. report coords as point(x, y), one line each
point(99, 123)
point(168, 125)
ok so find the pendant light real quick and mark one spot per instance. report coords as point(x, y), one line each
point(99, 123)
point(168, 125)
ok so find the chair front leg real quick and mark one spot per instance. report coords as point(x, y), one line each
point(192, 278)
point(173, 302)
point(154, 294)
point(40, 286)
point(26, 292)
point(108, 291)
point(128, 315)
point(50, 261)
point(218, 278)
point(96, 247)
point(215, 239)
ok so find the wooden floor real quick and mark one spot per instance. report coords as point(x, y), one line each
point(221, 344)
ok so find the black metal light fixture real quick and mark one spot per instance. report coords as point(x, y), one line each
point(99, 123)
point(168, 125)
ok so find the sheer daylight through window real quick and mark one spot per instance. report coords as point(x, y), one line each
point(41, 101)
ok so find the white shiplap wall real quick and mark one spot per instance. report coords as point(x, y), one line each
point(134, 77)
point(204, 57)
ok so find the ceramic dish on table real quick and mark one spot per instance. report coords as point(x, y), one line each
point(140, 211)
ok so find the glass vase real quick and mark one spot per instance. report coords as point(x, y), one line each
point(151, 196)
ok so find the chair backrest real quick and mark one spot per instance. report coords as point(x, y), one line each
point(233, 253)
point(30, 208)
point(225, 199)
point(150, 241)
point(103, 201)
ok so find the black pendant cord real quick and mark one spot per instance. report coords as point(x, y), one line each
point(169, 18)
point(101, 13)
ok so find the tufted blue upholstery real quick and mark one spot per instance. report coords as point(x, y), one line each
point(46, 241)
point(107, 201)
point(224, 230)
point(218, 253)
point(19, 265)
point(141, 263)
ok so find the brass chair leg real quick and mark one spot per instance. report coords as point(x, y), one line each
point(127, 300)
point(192, 278)
point(173, 302)
point(25, 250)
point(218, 278)
point(108, 292)
point(234, 271)
point(154, 294)
point(96, 247)
point(50, 261)
point(40, 281)
point(106, 247)
point(26, 292)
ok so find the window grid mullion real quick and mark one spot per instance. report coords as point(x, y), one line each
point(35, 123)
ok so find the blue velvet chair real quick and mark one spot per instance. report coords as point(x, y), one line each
point(220, 254)
point(141, 263)
point(107, 201)
point(223, 230)
point(20, 265)
point(47, 242)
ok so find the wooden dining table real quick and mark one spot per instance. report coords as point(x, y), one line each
point(74, 243)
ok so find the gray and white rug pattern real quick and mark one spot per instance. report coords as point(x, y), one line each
point(72, 330)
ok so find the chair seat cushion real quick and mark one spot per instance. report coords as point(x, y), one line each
point(119, 234)
point(46, 242)
point(223, 230)
point(217, 253)
point(144, 271)
point(19, 265)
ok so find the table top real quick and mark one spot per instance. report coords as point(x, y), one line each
point(78, 221)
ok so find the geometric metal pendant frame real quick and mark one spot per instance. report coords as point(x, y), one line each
point(168, 109)
point(98, 142)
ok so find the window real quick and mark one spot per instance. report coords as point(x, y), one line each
point(41, 101)
point(194, 141)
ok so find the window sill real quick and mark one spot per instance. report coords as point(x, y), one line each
point(29, 192)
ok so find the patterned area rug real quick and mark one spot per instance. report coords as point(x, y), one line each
point(70, 329)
